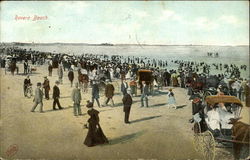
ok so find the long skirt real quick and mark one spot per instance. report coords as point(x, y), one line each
point(171, 100)
point(95, 136)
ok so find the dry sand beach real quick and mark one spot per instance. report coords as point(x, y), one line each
point(156, 132)
point(196, 43)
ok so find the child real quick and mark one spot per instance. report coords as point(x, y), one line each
point(171, 99)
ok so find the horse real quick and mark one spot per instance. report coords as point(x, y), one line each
point(240, 134)
point(83, 81)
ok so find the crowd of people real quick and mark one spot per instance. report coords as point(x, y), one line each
point(98, 72)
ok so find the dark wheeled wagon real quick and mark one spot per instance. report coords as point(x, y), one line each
point(147, 76)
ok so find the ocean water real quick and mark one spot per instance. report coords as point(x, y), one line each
point(227, 54)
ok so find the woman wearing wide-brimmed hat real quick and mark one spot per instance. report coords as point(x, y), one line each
point(95, 134)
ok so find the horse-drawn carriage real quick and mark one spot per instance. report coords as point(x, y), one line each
point(215, 126)
point(147, 76)
point(207, 86)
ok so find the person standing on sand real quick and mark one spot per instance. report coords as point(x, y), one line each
point(76, 98)
point(56, 96)
point(60, 74)
point(46, 87)
point(109, 92)
point(127, 102)
point(25, 67)
point(26, 84)
point(71, 76)
point(95, 93)
point(95, 134)
point(171, 99)
point(12, 67)
point(38, 99)
point(124, 86)
point(145, 93)
point(50, 68)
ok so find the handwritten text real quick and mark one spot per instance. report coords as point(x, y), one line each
point(30, 18)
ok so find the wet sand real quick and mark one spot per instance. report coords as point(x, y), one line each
point(156, 132)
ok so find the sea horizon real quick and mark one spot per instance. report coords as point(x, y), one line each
point(116, 44)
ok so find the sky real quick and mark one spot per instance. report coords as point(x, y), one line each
point(127, 22)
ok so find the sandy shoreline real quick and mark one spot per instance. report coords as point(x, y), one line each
point(155, 132)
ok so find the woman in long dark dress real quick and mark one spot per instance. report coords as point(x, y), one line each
point(95, 134)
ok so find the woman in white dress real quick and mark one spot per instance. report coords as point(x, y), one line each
point(171, 99)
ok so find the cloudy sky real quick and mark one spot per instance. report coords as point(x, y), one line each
point(220, 23)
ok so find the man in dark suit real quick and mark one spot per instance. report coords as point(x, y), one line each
point(95, 93)
point(124, 87)
point(25, 85)
point(50, 68)
point(56, 96)
point(127, 102)
point(46, 87)
point(25, 66)
point(109, 92)
point(71, 76)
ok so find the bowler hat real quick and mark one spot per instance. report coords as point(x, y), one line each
point(39, 84)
